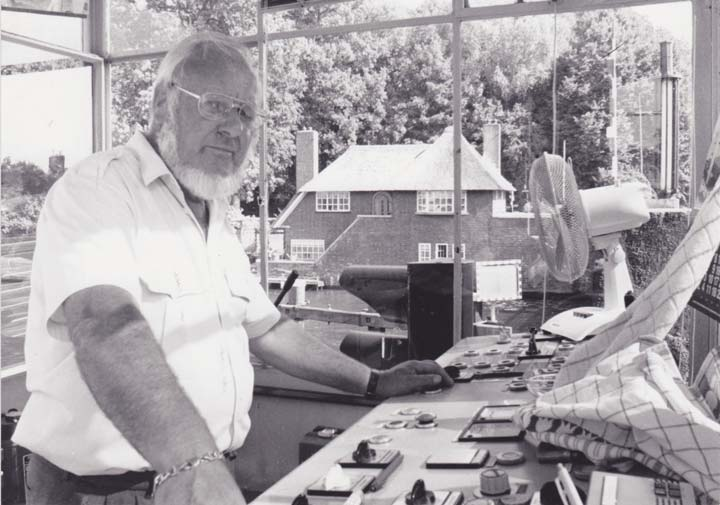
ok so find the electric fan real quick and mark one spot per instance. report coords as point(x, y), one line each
point(567, 220)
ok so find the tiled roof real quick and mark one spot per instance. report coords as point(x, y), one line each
point(408, 167)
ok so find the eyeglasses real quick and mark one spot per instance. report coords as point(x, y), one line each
point(216, 106)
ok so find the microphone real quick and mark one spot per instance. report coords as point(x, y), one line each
point(286, 286)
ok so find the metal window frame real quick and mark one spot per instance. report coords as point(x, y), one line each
point(706, 79)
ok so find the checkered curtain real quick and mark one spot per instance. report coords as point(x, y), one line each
point(621, 394)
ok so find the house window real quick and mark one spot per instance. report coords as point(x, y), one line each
point(332, 201)
point(306, 250)
point(442, 251)
point(424, 251)
point(439, 202)
point(382, 204)
point(462, 251)
point(498, 203)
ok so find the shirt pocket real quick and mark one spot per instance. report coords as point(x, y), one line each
point(167, 304)
point(241, 293)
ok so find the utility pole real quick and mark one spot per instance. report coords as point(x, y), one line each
point(612, 130)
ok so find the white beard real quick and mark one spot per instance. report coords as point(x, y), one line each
point(195, 180)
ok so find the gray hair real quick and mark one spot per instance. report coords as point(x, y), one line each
point(198, 45)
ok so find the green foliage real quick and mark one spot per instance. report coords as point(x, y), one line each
point(395, 86)
point(25, 178)
point(22, 218)
point(649, 247)
point(24, 187)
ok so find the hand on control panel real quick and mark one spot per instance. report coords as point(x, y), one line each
point(412, 377)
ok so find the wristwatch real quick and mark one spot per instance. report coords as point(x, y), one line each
point(371, 389)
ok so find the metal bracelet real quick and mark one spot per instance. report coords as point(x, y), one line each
point(188, 465)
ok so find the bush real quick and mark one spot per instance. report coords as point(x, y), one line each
point(22, 217)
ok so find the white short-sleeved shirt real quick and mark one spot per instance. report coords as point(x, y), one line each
point(119, 218)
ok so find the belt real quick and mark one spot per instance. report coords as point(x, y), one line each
point(104, 485)
point(110, 484)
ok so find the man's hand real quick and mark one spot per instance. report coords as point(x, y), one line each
point(208, 484)
point(411, 377)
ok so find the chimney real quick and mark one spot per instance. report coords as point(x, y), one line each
point(306, 157)
point(56, 164)
point(491, 144)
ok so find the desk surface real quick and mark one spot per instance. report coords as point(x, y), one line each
point(453, 407)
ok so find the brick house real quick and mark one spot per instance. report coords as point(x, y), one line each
point(393, 204)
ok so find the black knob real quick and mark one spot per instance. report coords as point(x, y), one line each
point(452, 371)
point(419, 495)
point(364, 453)
point(300, 499)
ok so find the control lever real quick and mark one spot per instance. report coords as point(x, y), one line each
point(532, 345)
point(300, 499)
point(364, 453)
point(419, 495)
point(286, 286)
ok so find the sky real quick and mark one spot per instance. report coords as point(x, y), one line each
point(47, 113)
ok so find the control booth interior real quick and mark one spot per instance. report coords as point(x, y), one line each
point(520, 194)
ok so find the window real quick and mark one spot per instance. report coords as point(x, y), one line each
point(332, 201)
point(462, 251)
point(442, 251)
point(382, 204)
point(424, 251)
point(498, 203)
point(306, 250)
point(439, 202)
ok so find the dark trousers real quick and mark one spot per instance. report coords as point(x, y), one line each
point(46, 484)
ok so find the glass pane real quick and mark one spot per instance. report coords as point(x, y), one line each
point(508, 80)
point(65, 7)
point(488, 3)
point(154, 24)
point(60, 30)
point(46, 127)
point(352, 12)
point(18, 54)
point(131, 97)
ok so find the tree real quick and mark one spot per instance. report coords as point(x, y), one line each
point(24, 186)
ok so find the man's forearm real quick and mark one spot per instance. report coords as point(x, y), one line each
point(127, 373)
point(290, 348)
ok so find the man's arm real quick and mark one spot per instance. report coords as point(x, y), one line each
point(291, 349)
point(126, 371)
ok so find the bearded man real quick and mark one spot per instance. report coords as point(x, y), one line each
point(143, 310)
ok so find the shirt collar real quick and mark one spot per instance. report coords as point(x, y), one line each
point(152, 165)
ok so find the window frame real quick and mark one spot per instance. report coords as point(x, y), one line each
point(424, 252)
point(332, 202)
point(448, 251)
point(310, 245)
point(426, 202)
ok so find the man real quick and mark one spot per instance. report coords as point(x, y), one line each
point(143, 310)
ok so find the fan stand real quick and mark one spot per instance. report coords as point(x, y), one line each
point(582, 322)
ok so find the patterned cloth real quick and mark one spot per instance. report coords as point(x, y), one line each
point(620, 395)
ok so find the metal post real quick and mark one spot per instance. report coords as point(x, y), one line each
point(262, 146)
point(95, 41)
point(458, 5)
point(613, 130)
